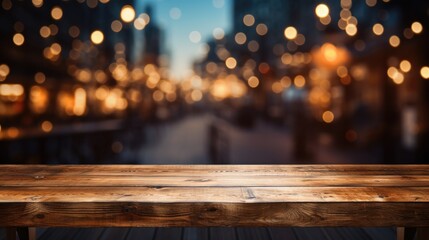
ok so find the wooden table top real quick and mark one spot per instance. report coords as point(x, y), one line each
point(214, 195)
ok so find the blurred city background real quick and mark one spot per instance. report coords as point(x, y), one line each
point(214, 81)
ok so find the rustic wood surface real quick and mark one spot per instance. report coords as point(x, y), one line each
point(219, 195)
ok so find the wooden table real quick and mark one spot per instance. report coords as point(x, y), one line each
point(214, 195)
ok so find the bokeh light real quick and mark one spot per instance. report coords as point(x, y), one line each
point(261, 29)
point(290, 33)
point(253, 82)
point(417, 27)
point(394, 41)
point(97, 37)
point(328, 116)
point(47, 126)
point(231, 63)
point(128, 13)
point(378, 29)
point(56, 13)
point(424, 72)
point(249, 20)
point(18, 39)
point(405, 66)
point(195, 36)
point(322, 10)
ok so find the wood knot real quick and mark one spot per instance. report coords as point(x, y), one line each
point(35, 198)
point(211, 209)
point(40, 216)
point(129, 209)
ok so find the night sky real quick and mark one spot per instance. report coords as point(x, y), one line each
point(202, 16)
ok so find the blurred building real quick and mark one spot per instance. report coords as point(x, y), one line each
point(152, 40)
point(355, 65)
point(73, 59)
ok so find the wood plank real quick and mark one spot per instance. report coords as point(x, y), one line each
point(213, 181)
point(212, 214)
point(213, 194)
point(215, 170)
point(203, 195)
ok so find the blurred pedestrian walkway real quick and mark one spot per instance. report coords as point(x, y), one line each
point(182, 142)
point(187, 142)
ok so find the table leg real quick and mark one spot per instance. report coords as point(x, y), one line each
point(422, 234)
point(11, 234)
point(26, 233)
point(403, 233)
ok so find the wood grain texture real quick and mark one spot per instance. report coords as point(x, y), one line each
point(214, 181)
point(214, 195)
point(216, 170)
point(210, 214)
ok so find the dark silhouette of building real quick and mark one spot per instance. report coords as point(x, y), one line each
point(152, 39)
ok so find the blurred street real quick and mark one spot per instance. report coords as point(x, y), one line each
point(214, 82)
point(187, 142)
point(222, 81)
